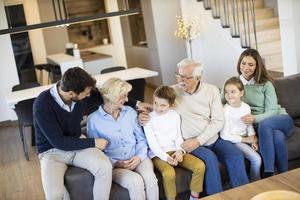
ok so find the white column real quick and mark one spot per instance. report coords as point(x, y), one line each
point(289, 32)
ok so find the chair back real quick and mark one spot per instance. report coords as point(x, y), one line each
point(112, 69)
point(23, 108)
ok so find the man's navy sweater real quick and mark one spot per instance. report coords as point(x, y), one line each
point(56, 127)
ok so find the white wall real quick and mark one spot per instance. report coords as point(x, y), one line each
point(214, 48)
point(140, 56)
point(55, 37)
point(289, 19)
point(170, 49)
point(8, 75)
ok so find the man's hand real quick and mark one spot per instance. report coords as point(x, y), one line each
point(177, 155)
point(82, 136)
point(144, 107)
point(190, 145)
point(132, 163)
point(100, 143)
point(172, 161)
point(248, 119)
point(143, 118)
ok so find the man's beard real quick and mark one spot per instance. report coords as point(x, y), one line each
point(76, 100)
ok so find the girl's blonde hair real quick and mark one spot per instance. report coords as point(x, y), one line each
point(113, 89)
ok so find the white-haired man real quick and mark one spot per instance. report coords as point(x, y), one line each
point(199, 105)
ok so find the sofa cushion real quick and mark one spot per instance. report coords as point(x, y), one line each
point(293, 144)
point(297, 122)
point(287, 89)
point(79, 183)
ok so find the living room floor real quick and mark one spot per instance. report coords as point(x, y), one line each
point(20, 179)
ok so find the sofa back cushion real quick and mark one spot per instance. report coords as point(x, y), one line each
point(288, 92)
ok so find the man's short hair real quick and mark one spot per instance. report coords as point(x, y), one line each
point(188, 62)
point(165, 92)
point(76, 80)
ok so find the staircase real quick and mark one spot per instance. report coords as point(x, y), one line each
point(255, 25)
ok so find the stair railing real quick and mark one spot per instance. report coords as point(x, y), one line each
point(239, 16)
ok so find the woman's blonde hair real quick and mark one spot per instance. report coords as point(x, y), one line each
point(113, 89)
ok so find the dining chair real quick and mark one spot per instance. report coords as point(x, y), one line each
point(138, 85)
point(24, 113)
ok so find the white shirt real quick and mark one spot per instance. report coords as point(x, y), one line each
point(234, 128)
point(59, 101)
point(163, 134)
point(246, 82)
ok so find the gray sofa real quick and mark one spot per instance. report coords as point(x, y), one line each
point(79, 182)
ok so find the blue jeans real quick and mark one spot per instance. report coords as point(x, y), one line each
point(253, 157)
point(272, 134)
point(230, 157)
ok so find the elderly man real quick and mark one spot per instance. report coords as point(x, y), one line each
point(201, 110)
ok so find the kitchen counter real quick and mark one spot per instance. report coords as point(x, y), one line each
point(94, 62)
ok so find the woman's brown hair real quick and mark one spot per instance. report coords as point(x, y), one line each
point(261, 74)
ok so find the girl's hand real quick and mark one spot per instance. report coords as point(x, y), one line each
point(254, 146)
point(177, 155)
point(248, 119)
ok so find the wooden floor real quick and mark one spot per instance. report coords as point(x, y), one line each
point(19, 178)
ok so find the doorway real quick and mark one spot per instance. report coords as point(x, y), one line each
point(21, 44)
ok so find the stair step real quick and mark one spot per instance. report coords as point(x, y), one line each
point(263, 24)
point(268, 48)
point(264, 36)
point(273, 61)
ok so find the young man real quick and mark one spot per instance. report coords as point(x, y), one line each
point(57, 114)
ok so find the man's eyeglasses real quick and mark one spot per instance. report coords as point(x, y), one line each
point(183, 77)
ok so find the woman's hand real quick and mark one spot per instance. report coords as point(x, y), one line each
point(177, 155)
point(248, 119)
point(132, 163)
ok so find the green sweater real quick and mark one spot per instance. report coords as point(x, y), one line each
point(262, 99)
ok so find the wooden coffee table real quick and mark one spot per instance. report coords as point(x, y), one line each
point(286, 181)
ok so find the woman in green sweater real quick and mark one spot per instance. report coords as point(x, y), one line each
point(273, 123)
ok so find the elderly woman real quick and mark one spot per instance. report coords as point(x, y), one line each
point(127, 147)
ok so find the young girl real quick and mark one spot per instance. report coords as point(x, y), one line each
point(164, 138)
point(235, 130)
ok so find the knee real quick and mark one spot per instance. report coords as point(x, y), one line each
point(168, 174)
point(103, 169)
point(136, 182)
point(279, 137)
point(151, 180)
point(199, 167)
